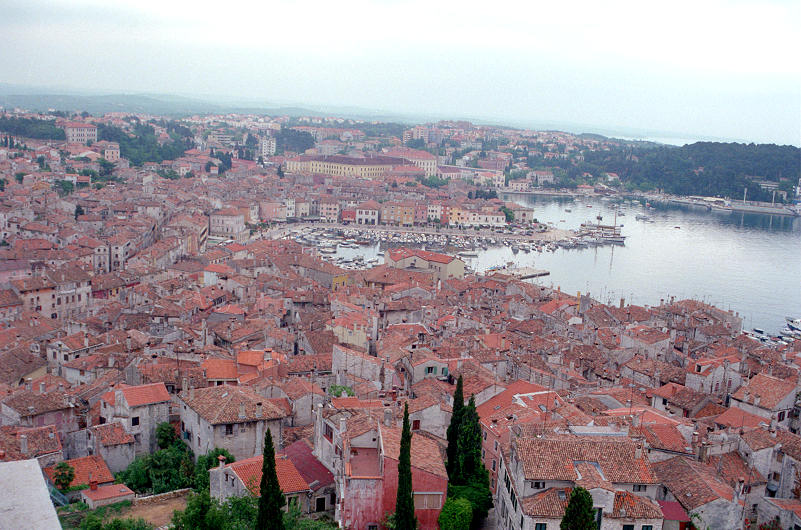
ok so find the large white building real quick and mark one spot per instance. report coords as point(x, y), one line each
point(80, 133)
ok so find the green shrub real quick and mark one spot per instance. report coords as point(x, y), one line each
point(456, 514)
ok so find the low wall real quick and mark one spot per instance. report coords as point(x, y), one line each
point(155, 499)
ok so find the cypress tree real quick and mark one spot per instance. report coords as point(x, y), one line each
point(468, 459)
point(453, 428)
point(271, 499)
point(470, 479)
point(579, 514)
point(404, 504)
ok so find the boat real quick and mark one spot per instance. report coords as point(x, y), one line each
point(468, 254)
point(793, 323)
point(328, 250)
point(568, 210)
point(599, 217)
point(515, 249)
point(642, 217)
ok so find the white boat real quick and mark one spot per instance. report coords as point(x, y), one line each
point(793, 323)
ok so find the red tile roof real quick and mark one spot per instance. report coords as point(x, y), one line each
point(109, 491)
point(137, 396)
point(86, 468)
point(249, 472)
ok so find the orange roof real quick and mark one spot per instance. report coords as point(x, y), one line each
point(109, 491)
point(249, 472)
point(86, 468)
point(145, 394)
point(220, 369)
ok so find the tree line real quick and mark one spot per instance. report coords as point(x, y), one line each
point(143, 146)
point(32, 128)
point(702, 168)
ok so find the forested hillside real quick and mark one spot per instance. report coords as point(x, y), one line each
point(703, 168)
point(143, 145)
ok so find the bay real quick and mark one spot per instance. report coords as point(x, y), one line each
point(746, 263)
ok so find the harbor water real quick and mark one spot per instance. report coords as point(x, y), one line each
point(749, 263)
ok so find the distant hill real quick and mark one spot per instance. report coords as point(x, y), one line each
point(12, 96)
point(703, 168)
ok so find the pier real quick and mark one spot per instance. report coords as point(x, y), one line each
point(521, 273)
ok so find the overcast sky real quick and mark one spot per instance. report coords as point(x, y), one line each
point(695, 68)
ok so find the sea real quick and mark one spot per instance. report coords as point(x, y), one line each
point(746, 263)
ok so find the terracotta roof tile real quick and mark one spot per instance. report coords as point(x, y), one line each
point(86, 468)
point(221, 404)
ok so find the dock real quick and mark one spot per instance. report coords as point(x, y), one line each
point(521, 273)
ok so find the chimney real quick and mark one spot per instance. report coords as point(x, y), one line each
point(23, 444)
point(61, 388)
point(242, 411)
point(638, 451)
point(702, 454)
point(111, 361)
point(191, 393)
point(41, 387)
point(221, 461)
point(695, 438)
point(93, 485)
point(388, 417)
point(28, 384)
point(622, 302)
point(183, 384)
point(757, 399)
point(343, 425)
point(85, 340)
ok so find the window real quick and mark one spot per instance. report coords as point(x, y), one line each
point(229, 429)
point(639, 487)
point(372, 527)
point(135, 421)
point(431, 370)
point(647, 527)
point(427, 501)
point(493, 464)
point(781, 416)
point(495, 447)
point(320, 504)
point(541, 526)
point(779, 456)
point(538, 485)
point(628, 527)
point(415, 425)
point(328, 432)
point(664, 402)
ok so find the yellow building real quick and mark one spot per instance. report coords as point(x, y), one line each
point(345, 166)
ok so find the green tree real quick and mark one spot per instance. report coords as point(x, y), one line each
point(453, 427)
point(579, 514)
point(468, 458)
point(106, 167)
point(404, 503)
point(456, 514)
point(510, 215)
point(63, 475)
point(165, 435)
point(470, 479)
point(271, 498)
point(206, 462)
point(78, 211)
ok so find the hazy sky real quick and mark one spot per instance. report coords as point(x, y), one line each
point(696, 68)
